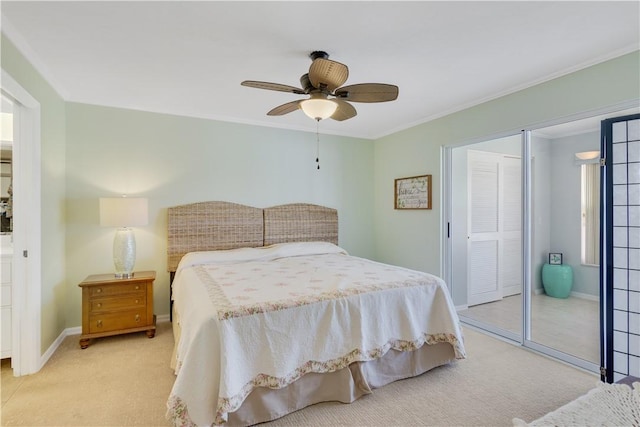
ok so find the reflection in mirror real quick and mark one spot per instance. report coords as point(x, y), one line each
point(563, 312)
point(486, 238)
point(6, 163)
point(564, 301)
point(565, 306)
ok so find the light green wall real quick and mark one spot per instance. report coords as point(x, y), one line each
point(412, 238)
point(174, 160)
point(90, 152)
point(52, 166)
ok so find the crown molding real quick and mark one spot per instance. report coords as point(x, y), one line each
point(32, 57)
point(578, 67)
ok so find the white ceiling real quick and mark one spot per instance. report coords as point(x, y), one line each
point(188, 58)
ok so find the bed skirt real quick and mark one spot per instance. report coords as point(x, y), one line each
point(345, 385)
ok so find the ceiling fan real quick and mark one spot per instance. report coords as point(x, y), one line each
point(327, 99)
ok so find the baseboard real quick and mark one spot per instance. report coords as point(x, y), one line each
point(462, 307)
point(77, 330)
point(56, 343)
point(585, 296)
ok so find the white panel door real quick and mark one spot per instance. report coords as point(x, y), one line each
point(483, 240)
point(511, 225)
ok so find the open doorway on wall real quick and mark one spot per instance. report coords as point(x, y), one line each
point(6, 229)
point(26, 237)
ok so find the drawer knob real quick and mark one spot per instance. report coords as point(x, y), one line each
point(137, 317)
point(137, 287)
point(99, 323)
point(99, 304)
point(137, 301)
point(99, 290)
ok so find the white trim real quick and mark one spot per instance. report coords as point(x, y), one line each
point(26, 299)
point(445, 216)
point(461, 107)
point(30, 55)
point(586, 114)
point(585, 365)
point(582, 295)
point(462, 307)
point(58, 341)
point(77, 330)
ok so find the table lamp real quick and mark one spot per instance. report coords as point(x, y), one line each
point(124, 212)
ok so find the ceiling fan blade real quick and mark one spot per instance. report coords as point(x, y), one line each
point(272, 86)
point(368, 92)
point(345, 110)
point(325, 72)
point(283, 109)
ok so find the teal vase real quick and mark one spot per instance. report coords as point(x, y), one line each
point(557, 280)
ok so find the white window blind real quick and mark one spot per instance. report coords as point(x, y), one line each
point(590, 195)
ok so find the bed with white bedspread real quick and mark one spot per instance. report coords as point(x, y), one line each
point(262, 331)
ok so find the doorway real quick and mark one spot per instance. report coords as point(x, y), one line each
point(26, 271)
point(6, 225)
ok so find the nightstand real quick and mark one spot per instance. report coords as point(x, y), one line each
point(112, 306)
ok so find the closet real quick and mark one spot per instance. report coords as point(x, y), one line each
point(494, 226)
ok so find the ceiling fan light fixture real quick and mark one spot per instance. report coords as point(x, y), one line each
point(318, 109)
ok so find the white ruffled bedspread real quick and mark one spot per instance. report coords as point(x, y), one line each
point(264, 317)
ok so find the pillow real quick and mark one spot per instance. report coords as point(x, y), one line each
point(266, 253)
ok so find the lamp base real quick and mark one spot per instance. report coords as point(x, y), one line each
point(124, 253)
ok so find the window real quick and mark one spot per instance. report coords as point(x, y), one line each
point(590, 207)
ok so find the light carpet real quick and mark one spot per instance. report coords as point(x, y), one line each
point(125, 381)
point(604, 405)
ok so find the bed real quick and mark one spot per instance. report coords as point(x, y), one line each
point(270, 315)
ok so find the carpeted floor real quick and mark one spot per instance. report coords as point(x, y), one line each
point(125, 381)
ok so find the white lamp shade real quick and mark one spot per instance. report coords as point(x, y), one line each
point(319, 109)
point(124, 212)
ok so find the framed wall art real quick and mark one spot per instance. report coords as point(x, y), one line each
point(413, 192)
point(555, 258)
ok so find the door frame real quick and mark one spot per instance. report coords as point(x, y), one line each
point(447, 226)
point(27, 246)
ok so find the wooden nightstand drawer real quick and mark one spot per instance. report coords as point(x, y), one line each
point(113, 306)
point(115, 321)
point(117, 289)
point(128, 301)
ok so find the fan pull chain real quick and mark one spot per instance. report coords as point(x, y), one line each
point(318, 142)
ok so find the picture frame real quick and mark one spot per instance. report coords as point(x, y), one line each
point(555, 258)
point(413, 192)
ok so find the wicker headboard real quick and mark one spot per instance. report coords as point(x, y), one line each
point(300, 222)
point(208, 226)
